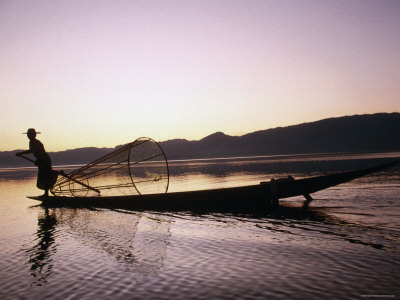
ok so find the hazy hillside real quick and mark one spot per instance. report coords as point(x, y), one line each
point(360, 133)
point(377, 132)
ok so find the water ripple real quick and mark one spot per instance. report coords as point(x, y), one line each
point(347, 244)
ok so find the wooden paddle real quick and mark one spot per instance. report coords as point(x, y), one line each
point(62, 173)
point(27, 158)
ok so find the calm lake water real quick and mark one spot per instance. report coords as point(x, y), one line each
point(346, 246)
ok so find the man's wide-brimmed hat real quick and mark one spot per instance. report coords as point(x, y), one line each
point(31, 130)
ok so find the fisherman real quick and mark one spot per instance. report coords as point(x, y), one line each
point(46, 176)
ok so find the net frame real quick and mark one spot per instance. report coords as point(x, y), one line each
point(118, 161)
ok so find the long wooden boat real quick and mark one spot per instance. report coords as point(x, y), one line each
point(253, 196)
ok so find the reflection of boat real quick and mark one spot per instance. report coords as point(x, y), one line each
point(250, 197)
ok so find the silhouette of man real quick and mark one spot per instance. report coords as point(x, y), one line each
point(46, 176)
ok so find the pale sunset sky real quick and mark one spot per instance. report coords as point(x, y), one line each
point(102, 73)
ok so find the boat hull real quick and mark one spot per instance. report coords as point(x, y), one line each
point(257, 196)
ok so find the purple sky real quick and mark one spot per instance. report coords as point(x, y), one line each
point(102, 73)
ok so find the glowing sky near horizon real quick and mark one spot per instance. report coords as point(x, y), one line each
point(102, 73)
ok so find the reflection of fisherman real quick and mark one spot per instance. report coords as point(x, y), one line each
point(40, 253)
point(46, 177)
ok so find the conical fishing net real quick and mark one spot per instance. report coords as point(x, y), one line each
point(139, 167)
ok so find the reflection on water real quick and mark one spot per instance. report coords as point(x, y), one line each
point(135, 240)
point(348, 241)
point(270, 165)
point(40, 253)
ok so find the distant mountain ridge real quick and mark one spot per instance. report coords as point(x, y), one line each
point(359, 133)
